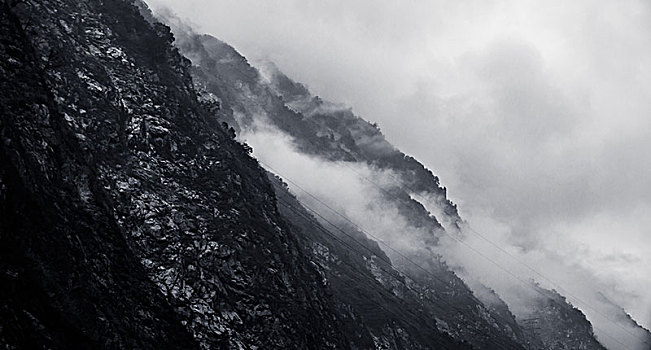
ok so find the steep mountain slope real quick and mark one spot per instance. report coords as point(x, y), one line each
point(69, 279)
point(130, 218)
point(333, 133)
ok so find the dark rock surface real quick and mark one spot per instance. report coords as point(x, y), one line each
point(69, 278)
point(130, 218)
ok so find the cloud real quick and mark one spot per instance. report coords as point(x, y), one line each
point(534, 114)
point(344, 190)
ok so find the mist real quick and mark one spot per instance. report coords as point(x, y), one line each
point(353, 191)
point(343, 187)
point(533, 114)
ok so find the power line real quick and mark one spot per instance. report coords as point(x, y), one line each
point(358, 227)
point(499, 248)
point(396, 277)
point(408, 259)
point(388, 262)
point(321, 228)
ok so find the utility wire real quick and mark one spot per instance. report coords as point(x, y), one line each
point(397, 277)
point(347, 245)
point(483, 237)
point(426, 271)
point(410, 260)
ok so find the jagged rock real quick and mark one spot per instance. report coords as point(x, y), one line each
point(130, 218)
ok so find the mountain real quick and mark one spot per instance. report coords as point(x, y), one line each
point(132, 216)
point(553, 323)
point(245, 97)
point(265, 98)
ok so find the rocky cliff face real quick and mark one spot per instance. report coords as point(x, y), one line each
point(130, 217)
point(69, 277)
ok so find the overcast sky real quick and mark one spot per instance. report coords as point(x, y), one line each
point(535, 114)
